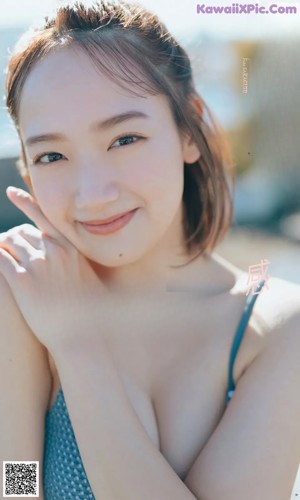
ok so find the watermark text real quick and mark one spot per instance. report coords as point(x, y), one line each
point(245, 8)
point(258, 277)
point(245, 73)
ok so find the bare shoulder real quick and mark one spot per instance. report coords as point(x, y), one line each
point(23, 357)
point(277, 304)
point(277, 307)
point(275, 316)
point(255, 449)
point(25, 385)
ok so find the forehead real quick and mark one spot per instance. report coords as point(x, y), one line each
point(67, 85)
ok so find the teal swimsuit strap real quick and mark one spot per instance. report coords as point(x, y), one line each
point(239, 335)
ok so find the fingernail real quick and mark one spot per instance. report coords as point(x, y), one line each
point(11, 189)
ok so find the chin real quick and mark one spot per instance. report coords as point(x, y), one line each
point(114, 259)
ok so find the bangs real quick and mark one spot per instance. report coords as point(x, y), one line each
point(120, 59)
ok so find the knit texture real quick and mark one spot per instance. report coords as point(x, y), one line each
point(64, 476)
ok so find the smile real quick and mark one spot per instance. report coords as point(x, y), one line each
point(98, 227)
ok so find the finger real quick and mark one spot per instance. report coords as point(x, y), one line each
point(27, 231)
point(32, 234)
point(19, 248)
point(25, 202)
point(9, 267)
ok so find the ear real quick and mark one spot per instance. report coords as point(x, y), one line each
point(190, 150)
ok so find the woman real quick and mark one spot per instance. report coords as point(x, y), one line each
point(120, 317)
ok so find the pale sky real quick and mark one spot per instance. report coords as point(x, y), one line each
point(181, 16)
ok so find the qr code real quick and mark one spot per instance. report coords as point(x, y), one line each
point(20, 479)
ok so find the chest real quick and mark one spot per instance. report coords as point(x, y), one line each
point(173, 360)
point(173, 357)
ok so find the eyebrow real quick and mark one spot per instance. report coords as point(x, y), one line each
point(95, 127)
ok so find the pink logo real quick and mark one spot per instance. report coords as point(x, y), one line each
point(257, 273)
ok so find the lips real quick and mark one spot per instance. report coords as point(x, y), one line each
point(105, 221)
point(110, 225)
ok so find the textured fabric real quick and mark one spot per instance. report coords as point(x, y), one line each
point(63, 470)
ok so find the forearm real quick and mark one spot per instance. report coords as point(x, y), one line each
point(120, 459)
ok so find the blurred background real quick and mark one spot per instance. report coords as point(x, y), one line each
point(247, 68)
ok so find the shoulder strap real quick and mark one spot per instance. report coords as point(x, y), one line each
point(251, 299)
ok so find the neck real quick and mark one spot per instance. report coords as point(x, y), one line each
point(153, 273)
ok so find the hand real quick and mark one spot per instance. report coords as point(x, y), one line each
point(55, 287)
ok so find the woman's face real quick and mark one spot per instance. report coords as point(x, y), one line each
point(109, 152)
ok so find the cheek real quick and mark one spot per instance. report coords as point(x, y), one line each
point(160, 189)
point(159, 173)
point(50, 198)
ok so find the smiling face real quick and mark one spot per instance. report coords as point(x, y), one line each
point(115, 152)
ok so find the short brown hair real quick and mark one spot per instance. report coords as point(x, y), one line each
point(119, 36)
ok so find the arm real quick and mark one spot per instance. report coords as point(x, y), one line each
point(50, 279)
point(254, 452)
point(25, 384)
point(120, 460)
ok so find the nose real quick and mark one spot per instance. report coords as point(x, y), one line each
point(95, 188)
